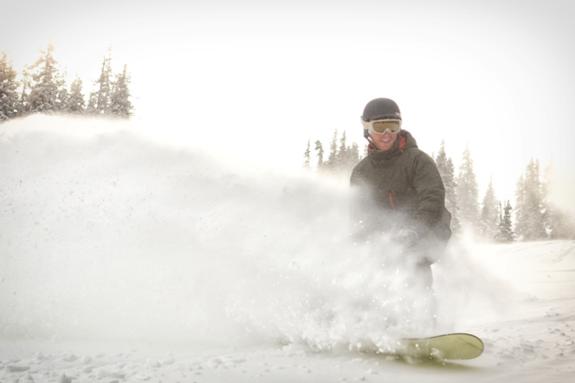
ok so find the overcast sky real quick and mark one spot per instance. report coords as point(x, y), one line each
point(496, 76)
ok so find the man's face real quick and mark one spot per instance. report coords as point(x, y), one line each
point(383, 141)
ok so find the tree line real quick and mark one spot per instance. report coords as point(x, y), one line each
point(341, 159)
point(532, 217)
point(41, 88)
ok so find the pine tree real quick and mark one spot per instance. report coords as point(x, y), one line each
point(92, 107)
point(307, 156)
point(46, 84)
point(342, 158)
point(519, 205)
point(451, 197)
point(120, 105)
point(562, 225)
point(354, 154)
point(505, 230)
point(530, 208)
point(467, 193)
point(349, 158)
point(76, 102)
point(319, 150)
point(8, 90)
point(446, 170)
point(62, 99)
point(342, 154)
point(101, 104)
point(332, 159)
point(23, 104)
point(489, 214)
point(558, 224)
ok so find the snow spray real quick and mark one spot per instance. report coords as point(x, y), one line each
point(109, 236)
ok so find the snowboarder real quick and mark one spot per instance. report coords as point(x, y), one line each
point(401, 193)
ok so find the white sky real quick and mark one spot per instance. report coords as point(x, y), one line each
point(494, 75)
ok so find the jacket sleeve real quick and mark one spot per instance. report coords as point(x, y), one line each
point(354, 178)
point(430, 192)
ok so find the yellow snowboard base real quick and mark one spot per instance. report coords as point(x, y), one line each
point(456, 346)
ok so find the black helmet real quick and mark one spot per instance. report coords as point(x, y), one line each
point(381, 108)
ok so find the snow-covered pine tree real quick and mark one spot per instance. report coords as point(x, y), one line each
point(76, 102)
point(489, 214)
point(62, 98)
point(519, 203)
point(8, 90)
point(319, 151)
point(466, 192)
point(558, 224)
point(451, 198)
point(45, 85)
point(561, 225)
point(23, 105)
point(545, 181)
point(530, 215)
point(307, 156)
point(120, 105)
point(92, 107)
point(104, 92)
point(446, 170)
point(505, 229)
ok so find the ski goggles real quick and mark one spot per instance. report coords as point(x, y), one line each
point(381, 126)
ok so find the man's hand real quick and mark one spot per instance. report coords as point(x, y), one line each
point(407, 238)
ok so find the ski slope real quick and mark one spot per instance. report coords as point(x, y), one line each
point(125, 260)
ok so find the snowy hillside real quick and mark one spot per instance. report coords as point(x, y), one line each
point(124, 260)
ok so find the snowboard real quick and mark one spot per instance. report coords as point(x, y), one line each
point(441, 347)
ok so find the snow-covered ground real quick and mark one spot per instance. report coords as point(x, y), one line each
point(123, 260)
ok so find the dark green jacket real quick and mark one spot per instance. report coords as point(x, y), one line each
point(401, 188)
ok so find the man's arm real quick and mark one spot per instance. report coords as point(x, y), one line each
point(430, 192)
